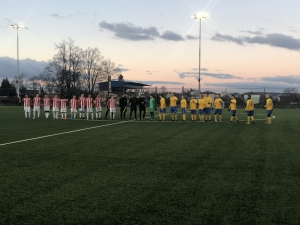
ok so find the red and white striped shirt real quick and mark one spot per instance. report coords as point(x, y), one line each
point(73, 103)
point(98, 102)
point(81, 102)
point(63, 103)
point(56, 102)
point(89, 103)
point(27, 102)
point(37, 102)
point(47, 102)
point(112, 103)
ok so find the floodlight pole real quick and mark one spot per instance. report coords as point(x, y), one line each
point(199, 79)
point(18, 63)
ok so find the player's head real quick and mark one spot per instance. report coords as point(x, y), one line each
point(161, 96)
point(202, 96)
point(46, 96)
point(98, 95)
point(218, 96)
point(74, 96)
point(207, 93)
point(232, 96)
point(151, 96)
point(172, 94)
point(26, 96)
point(123, 95)
point(82, 95)
point(89, 96)
point(112, 96)
point(37, 95)
point(55, 96)
point(193, 97)
point(182, 97)
point(142, 95)
point(267, 96)
point(249, 97)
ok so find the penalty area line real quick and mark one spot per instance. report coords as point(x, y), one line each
point(62, 133)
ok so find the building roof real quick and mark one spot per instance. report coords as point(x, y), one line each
point(122, 84)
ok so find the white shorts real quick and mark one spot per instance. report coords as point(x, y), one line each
point(112, 110)
point(63, 110)
point(55, 109)
point(99, 109)
point(89, 110)
point(82, 109)
point(27, 109)
point(46, 109)
point(73, 110)
point(36, 108)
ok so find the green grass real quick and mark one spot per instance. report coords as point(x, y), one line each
point(150, 172)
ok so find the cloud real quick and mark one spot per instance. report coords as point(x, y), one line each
point(274, 40)
point(293, 80)
point(58, 16)
point(171, 36)
point(259, 32)
point(131, 32)
point(30, 67)
point(222, 76)
point(190, 37)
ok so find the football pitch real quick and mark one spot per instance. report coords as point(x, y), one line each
point(143, 172)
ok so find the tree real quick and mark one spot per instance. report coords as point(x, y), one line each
point(91, 68)
point(292, 93)
point(5, 84)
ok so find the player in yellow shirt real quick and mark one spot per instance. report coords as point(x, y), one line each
point(183, 108)
point(193, 108)
point(162, 108)
point(208, 107)
point(232, 108)
point(218, 108)
point(202, 105)
point(250, 109)
point(269, 108)
point(173, 107)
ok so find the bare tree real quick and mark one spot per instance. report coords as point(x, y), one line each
point(91, 68)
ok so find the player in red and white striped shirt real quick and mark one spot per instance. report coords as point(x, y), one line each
point(47, 104)
point(89, 106)
point(37, 105)
point(81, 104)
point(63, 108)
point(27, 105)
point(98, 105)
point(112, 107)
point(73, 107)
point(55, 105)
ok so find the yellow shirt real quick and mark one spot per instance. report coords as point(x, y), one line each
point(183, 103)
point(202, 103)
point(193, 104)
point(173, 101)
point(232, 104)
point(208, 101)
point(269, 104)
point(162, 103)
point(250, 105)
point(218, 103)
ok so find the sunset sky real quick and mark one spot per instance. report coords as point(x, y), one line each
point(245, 44)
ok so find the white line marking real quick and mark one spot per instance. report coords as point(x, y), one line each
point(67, 132)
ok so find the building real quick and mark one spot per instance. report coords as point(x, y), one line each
point(119, 87)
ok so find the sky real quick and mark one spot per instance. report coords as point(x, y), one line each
point(245, 45)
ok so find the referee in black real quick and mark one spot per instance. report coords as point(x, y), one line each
point(123, 106)
point(133, 105)
point(142, 106)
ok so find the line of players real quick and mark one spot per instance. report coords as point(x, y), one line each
point(204, 104)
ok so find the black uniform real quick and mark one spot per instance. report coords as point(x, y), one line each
point(142, 107)
point(107, 108)
point(133, 106)
point(123, 106)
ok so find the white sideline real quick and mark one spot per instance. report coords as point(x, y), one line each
point(67, 132)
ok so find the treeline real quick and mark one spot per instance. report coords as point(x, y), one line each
point(72, 70)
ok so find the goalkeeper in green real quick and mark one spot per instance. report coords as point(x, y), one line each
point(152, 107)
